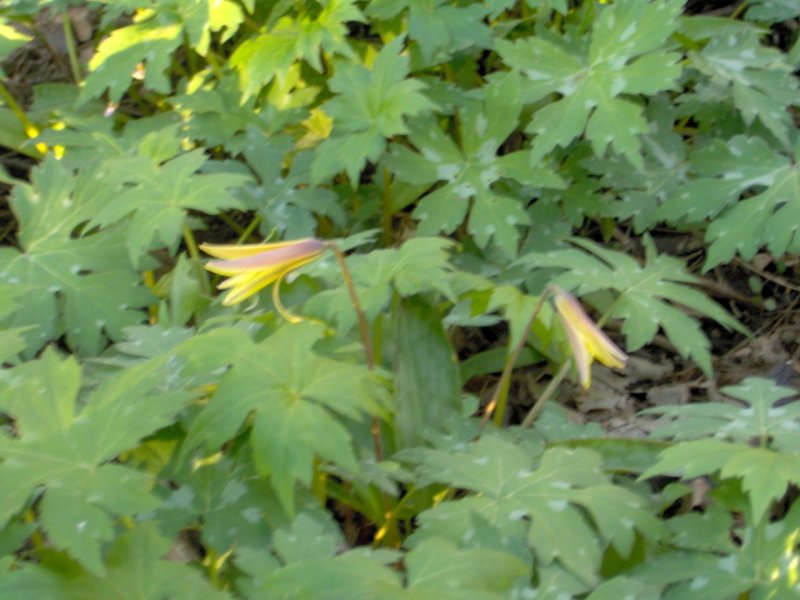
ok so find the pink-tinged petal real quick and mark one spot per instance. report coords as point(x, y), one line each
point(587, 341)
point(280, 257)
point(256, 266)
point(231, 251)
point(581, 357)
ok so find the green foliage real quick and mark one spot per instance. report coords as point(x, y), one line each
point(370, 106)
point(763, 419)
point(471, 172)
point(766, 470)
point(135, 569)
point(420, 265)
point(625, 55)
point(727, 171)
point(63, 455)
point(159, 188)
point(291, 38)
point(772, 11)
point(646, 294)
point(465, 158)
point(78, 286)
point(292, 392)
point(560, 503)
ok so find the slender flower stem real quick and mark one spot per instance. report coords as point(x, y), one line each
point(365, 337)
point(248, 231)
point(497, 405)
point(386, 209)
point(237, 229)
point(537, 408)
point(351, 289)
point(30, 129)
point(72, 53)
point(194, 253)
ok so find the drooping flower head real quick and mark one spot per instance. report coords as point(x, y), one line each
point(585, 338)
point(252, 267)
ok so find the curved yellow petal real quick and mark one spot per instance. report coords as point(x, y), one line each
point(587, 341)
point(252, 267)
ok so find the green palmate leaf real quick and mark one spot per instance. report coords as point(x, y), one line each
point(312, 569)
point(437, 568)
point(624, 58)
point(307, 538)
point(305, 37)
point(360, 575)
point(203, 17)
point(150, 42)
point(694, 575)
point(420, 265)
point(625, 587)
point(725, 173)
point(470, 172)
point(78, 285)
point(648, 294)
point(427, 379)
point(761, 563)
point(561, 501)
point(439, 27)
point(772, 11)
point(299, 399)
point(760, 420)
point(65, 452)
point(370, 106)
point(285, 200)
point(159, 196)
point(236, 507)
point(134, 570)
point(218, 116)
point(765, 474)
point(638, 193)
point(11, 340)
point(755, 78)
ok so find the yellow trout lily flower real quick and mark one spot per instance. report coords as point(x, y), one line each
point(252, 267)
point(586, 340)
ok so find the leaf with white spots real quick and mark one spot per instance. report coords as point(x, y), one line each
point(761, 415)
point(470, 174)
point(440, 27)
point(752, 191)
point(64, 446)
point(236, 506)
point(559, 500)
point(598, 83)
point(158, 197)
point(69, 280)
point(648, 297)
point(638, 193)
point(136, 567)
point(299, 402)
point(756, 79)
point(368, 107)
point(765, 474)
point(772, 11)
